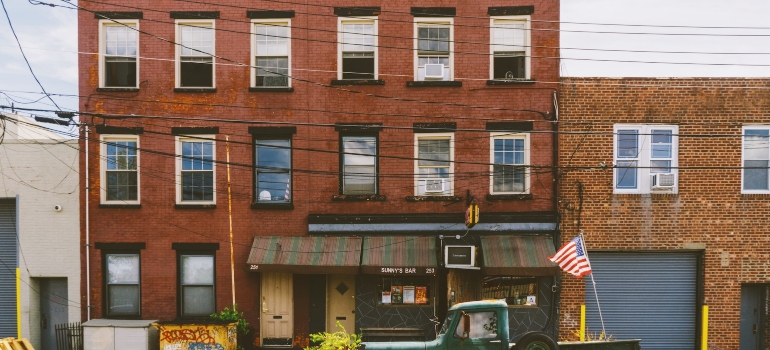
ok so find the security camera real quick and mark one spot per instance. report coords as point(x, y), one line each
point(57, 207)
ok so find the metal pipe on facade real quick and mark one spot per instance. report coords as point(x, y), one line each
point(88, 243)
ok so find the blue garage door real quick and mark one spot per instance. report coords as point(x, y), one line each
point(647, 296)
point(8, 268)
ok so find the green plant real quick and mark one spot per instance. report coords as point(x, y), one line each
point(593, 336)
point(232, 315)
point(339, 340)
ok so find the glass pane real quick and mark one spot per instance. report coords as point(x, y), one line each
point(513, 289)
point(197, 300)
point(121, 155)
point(119, 72)
point(197, 155)
point(433, 153)
point(273, 71)
point(121, 185)
point(433, 38)
point(509, 67)
point(507, 179)
point(123, 268)
point(273, 168)
point(272, 40)
point(197, 186)
point(755, 144)
point(197, 269)
point(508, 37)
point(359, 150)
point(197, 40)
point(273, 186)
point(359, 179)
point(628, 145)
point(662, 144)
point(196, 73)
point(483, 326)
point(625, 175)
point(660, 166)
point(123, 300)
point(120, 40)
point(358, 37)
point(273, 154)
point(755, 175)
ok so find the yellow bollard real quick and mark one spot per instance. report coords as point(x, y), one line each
point(582, 323)
point(704, 341)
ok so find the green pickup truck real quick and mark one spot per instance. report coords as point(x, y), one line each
point(476, 325)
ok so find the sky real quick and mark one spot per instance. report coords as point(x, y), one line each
point(591, 46)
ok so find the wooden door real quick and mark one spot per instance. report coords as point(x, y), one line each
point(277, 321)
point(341, 293)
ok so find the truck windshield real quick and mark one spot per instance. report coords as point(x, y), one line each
point(447, 321)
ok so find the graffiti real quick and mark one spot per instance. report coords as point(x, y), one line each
point(173, 347)
point(200, 335)
point(201, 346)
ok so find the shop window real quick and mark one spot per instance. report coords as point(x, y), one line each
point(517, 291)
point(405, 291)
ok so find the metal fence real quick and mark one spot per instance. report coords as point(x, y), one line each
point(69, 336)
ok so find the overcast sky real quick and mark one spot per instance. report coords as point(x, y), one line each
point(49, 36)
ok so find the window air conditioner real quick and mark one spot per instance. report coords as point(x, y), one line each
point(436, 186)
point(663, 181)
point(434, 71)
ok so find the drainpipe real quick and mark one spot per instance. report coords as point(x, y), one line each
point(88, 242)
point(557, 232)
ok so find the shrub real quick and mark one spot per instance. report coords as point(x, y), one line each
point(232, 315)
point(339, 340)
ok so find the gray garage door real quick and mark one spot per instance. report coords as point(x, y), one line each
point(648, 296)
point(8, 268)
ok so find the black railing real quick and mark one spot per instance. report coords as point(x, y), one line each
point(69, 336)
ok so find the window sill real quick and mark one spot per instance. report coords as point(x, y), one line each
point(511, 82)
point(359, 198)
point(271, 89)
point(195, 206)
point(195, 90)
point(434, 198)
point(755, 195)
point(120, 206)
point(358, 82)
point(436, 83)
point(117, 89)
point(279, 206)
point(127, 317)
point(649, 194)
point(509, 197)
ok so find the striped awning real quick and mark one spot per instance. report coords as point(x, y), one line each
point(305, 255)
point(399, 255)
point(518, 255)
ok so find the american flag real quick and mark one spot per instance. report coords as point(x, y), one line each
point(572, 258)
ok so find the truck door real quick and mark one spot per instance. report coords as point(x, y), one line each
point(484, 332)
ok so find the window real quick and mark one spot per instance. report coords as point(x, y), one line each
point(272, 48)
point(756, 159)
point(272, 165)
point(510, 49)
point(196, 283)
point(510, 155)
point(119, 52)
point(359, 164)
point(515, 290)
point(645, 158)
point(358, 48)
point(434, 165)
point(434, 48)
point(195, 169)
point(483, 326)
point(122, 285)
point(400, 290)
point(195, 61)
point(120, 164)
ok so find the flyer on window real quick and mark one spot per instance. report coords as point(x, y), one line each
point(408, 294)
point(420, 295)
point(386, 297)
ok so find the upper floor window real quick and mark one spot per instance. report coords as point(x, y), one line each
point(509, 157)
point(645, 158)
point(434, 43)
point(272, 168)
point(120, 169)
point(510, 49)
point(434, 164)
point(756, 159)
point(359, 164)
point(119, 48)
point(196, 169)
point(196, 283)
point(272, 53)
point(357, 48)
point(122, 285)
point(195, 61)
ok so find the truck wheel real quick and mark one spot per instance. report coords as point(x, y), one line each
point(536, 341)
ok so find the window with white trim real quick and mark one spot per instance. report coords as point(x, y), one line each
point(510, 48)
point(434, 164)
point(646, 158)
point(434, 48)
point(120, 169)
point(122, 285)
point(359, 164)
point(195, 60)
point(196, 169)
point(272, 53)
point(272, 168)
point(119, 52)
point(196, 283)
point(756, 159)
point(509, 158)
point(357, 47)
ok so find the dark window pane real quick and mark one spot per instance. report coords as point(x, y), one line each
point(626, 175)
point(508, 179)
point(628, 146)
point(123, 300)
point(272, 71)
point(121, 185)
point(197, 72)
point(273, 168)
point(197, 186)
point(198, 300)
point(509, 67)
point(755, 175)
point(119, 72)
point(358, 68)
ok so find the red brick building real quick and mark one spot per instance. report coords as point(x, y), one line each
point(668, 181)
point(328, 151)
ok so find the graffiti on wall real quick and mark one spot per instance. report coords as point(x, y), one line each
point(197, 337)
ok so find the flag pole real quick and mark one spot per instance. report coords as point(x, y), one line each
point(593, 282)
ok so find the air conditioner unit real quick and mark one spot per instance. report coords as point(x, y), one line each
point(460, 256)
point(436, 185)
point(663, 181)
point(434, 71)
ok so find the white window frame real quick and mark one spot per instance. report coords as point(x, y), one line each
point(515, 136)
point(178, 51)
point(351, 20)
point(527, 42)
point(178, 141)
point(286, 22)
point(743, 158)
point(644, 176)
point(104, 139)
point(451, 170)
point(103, 48)
point(429, 21)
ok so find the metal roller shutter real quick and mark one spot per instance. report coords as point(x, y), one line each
point(647, 296)
point(8, 268)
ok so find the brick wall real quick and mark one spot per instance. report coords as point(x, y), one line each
point(709, 213)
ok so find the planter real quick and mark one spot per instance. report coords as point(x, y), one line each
point(630, 344)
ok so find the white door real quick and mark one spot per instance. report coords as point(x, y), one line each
point(341, 294)
point(277, 309)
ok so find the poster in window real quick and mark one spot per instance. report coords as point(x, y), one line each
point(396, 296)
point(408, 294)
point(386, 297)
point(420, 295)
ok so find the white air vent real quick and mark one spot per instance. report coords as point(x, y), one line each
point(434, 71)
point(436, 186)
point(663, 181)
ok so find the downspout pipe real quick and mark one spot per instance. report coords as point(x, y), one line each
point(556, 173)
point(87, 232)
